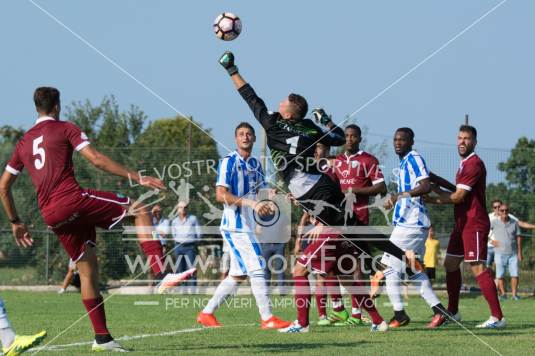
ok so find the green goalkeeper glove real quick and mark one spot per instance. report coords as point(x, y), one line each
point(321, 116)
point(227, 61)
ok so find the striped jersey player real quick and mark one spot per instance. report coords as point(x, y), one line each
point(239, 178)
point(411, 226)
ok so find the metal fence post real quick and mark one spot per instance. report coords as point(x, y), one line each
point(47, 258)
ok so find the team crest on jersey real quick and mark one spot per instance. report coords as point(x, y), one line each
point(471, 254)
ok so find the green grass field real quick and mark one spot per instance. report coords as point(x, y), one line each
point(171, 330)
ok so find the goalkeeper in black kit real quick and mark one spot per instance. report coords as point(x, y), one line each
point(291, 139)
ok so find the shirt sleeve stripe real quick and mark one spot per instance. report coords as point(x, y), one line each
point(465, 187)
point(12, 170)
point(377, 181)
point(81, 145)
point(224, 173)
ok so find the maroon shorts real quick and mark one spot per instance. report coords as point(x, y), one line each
point(330, 254)
point(470, 244)
point(74, 221)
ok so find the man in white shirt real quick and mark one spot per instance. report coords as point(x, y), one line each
point(186, 234)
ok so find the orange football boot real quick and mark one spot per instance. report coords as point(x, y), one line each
point(274, 323)
point(208, 320)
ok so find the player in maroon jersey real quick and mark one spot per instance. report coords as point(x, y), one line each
point(360, 177)
point(73, 212)
point(468, 240)
point(329, 256)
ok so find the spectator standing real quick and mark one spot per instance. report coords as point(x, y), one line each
point(160, 224)
point(508, 250)
point(495, 214)
point(186, 234)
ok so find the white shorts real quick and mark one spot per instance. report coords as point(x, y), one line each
point(225, 262)
point(245, 253)
point(406, 238)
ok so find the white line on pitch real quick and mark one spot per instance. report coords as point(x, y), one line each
point(147, 302)
point(128, 338)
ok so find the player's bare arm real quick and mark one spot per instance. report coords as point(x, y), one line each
point(519, 248)
point(238, 80)
point(302, 223)
point(300, 232)
point(223, 195)
point(423, 188)
point(20, 231)
point(103, 162)
point(442, 182)
point(445, 197)
point(372, 190)
point(314, 233)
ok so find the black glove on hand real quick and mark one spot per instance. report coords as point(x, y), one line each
point(227, 61)
point(321, 116)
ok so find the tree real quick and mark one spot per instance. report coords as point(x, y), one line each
point(519, 190)
point(164, 146)
point(520, 167)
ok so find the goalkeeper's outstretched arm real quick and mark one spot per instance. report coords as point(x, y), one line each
point(256, 104)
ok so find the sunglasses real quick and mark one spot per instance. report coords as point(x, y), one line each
point(496, 207)
point(504, 210)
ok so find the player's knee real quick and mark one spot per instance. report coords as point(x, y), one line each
point(477, 268)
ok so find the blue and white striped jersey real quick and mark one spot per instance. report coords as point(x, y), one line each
point(243, 178)
point(411, 212)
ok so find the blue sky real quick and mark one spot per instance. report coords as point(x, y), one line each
point(338, 54)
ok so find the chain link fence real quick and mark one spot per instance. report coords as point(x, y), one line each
point(190, 175)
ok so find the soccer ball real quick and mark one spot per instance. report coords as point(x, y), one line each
point(227, 26)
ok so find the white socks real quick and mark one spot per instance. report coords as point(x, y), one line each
point(7, 335)
point(260, 291)
point(227, 287)
point(337, 303)
point(426, 290)
point(393, 288)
